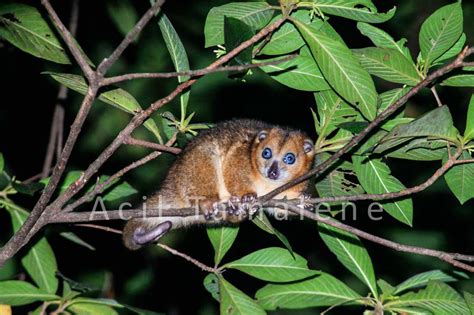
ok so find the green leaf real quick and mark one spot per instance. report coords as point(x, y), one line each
point(437, 124)
point(28, 188)
point(76, 239)
point(440, 31)
point(388, 64)
point(469, 301)
point(39, 261)
point(421, 149)
point(460, 179)
point(461, 80)
point(389, 97)
point(254, 14)
point(2, 163)
point(123, 15)
point(323, 290)
point(300, 73)
point(350, 251)
point(20, 293)
point(221, 239)
point(67, 180)
point(387, 288)
point(178, 56)
point(91, 309)
point(422, 279)
point(211, 283)
point(332, 111)
point(468, 132)
point(22, 26)
point(358, 10)
point(341, 69)
point(233, 301)
point(261, 220)
point(337, 182)
point(374, 176)
point(116, 97)
point(273, 264)
point(287, 38)
point(383, 40)
point(438, 298)
point(116, 190)
point(236, 32)
point(453, 51)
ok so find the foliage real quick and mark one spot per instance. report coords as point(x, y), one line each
point(347, 98)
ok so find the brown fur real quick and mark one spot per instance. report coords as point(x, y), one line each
point(224, 162)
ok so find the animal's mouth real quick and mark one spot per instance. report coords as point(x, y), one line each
point(273, 172)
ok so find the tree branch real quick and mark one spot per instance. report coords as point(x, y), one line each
point(192, 73)
point(402, 193)
point(319, 169)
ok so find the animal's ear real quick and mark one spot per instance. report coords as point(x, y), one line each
point(262, 135)
point(308, 145)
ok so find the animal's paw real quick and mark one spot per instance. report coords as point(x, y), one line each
point(209, 209)
point(305, 202)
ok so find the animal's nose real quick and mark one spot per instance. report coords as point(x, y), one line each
point(273, 172)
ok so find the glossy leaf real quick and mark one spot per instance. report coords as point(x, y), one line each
point(332, 111)
point(375, 177)
point(358, 10)
point(421, 149)
point(468, 132)
point(460, 179)
point(261, 220)
point(178, 55)
point(437, 124)
point(440, 31)
point(382, 39)
point(388, 64)
point(20, 293)
point(235, 302)
point(24, 27)
point(322, 290)
point(211, 283)
point(469, 298)
point(300, 73)
point(236, 32)
point(39, 260)
point(273, 264)
point(350, 251)
point(287, 38)
point(76, 239)
point(254, 14)
point(422, 279)
point(461, 80)
point(389, 97)
point(438, 298)
point(116, 97)
point(2, 163)
point(91, 309)
point(221, 239)
point(453, 51)
point(341, 69)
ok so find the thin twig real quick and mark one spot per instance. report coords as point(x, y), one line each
point(99, 227)
point(152, 145)
point(105, 65)
point(57, 126)
point(436, 96)
point(192, 73)
point(188, 258)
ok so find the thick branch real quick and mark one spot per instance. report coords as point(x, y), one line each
point(191, 73)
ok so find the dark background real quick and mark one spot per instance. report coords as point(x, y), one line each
point(152, 278)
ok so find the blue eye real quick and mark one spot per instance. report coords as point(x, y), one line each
point(289, 158)
point(267, 153)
